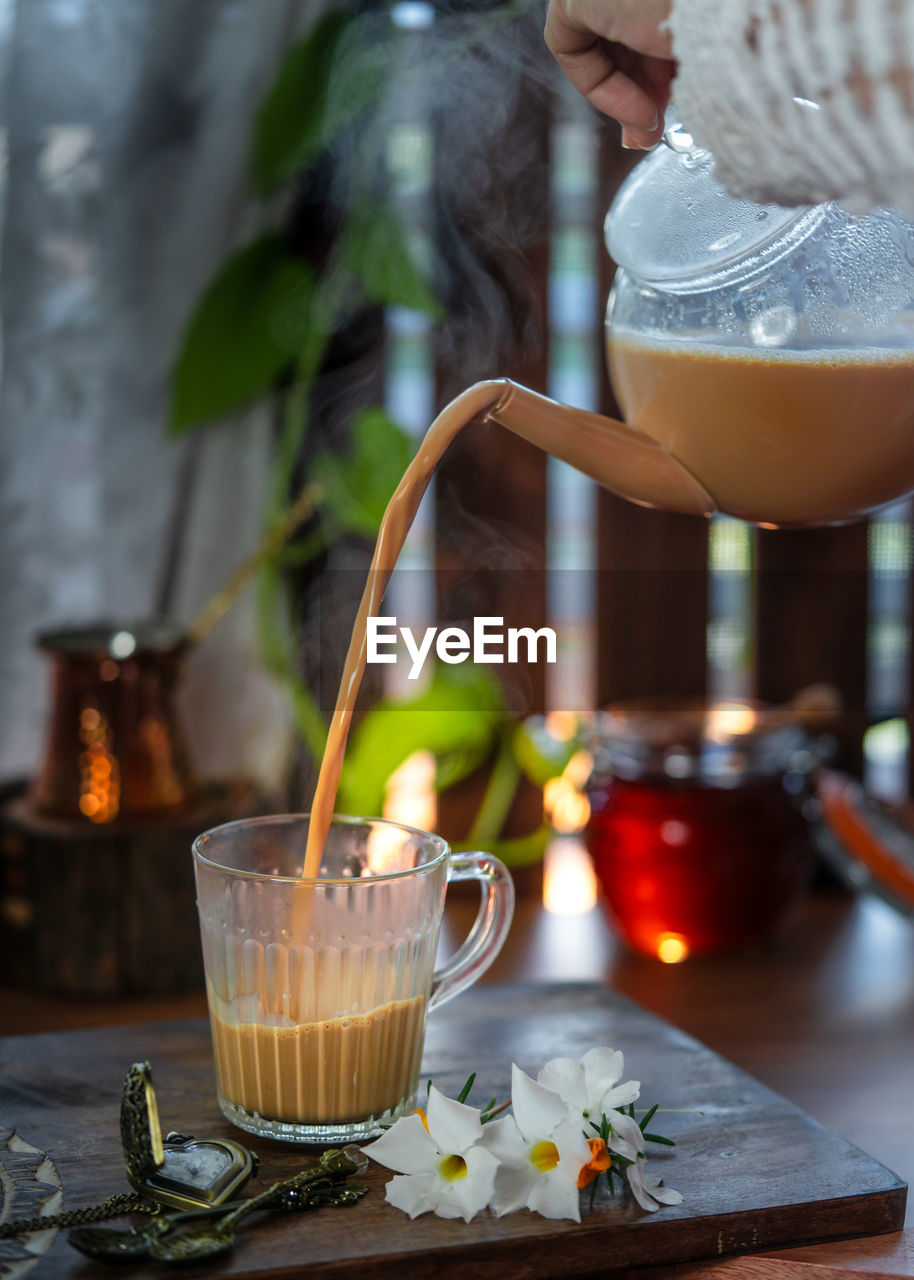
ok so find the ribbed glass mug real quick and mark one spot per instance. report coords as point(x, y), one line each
point(318, 989)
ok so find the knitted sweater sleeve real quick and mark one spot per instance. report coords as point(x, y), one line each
point(801, 101)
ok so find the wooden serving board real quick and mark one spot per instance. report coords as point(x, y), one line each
point(755, 1172)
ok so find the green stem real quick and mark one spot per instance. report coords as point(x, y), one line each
point(275, 641)
point(307, 716)
point(277, 655)
point(502, 785)
point(306, 549)
point(294, 426)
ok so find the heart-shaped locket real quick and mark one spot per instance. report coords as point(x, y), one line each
point(183, 1171)
point(198, 1171)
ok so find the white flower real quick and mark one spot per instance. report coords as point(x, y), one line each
point(590, 1088)
point(445, 1168)
point(647, 1188)
point(541, 1152)
point(627, 1140)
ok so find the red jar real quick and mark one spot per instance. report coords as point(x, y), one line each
point(695, 831)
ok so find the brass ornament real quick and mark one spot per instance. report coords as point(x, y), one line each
point(182, 1172)
point(186, 1188)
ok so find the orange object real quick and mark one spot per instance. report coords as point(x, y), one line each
point(876, 835)
point(599, 1162)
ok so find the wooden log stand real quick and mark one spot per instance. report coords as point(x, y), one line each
point(105, 910)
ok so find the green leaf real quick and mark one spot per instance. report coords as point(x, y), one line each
point(375, 250)
point(524, 851)
point(358, 485)
point(465, 1091)
point(458, 713)
point(457, 764)
point(289, 129)
point(645, 1121)
point(253, 320)
point(539, 753)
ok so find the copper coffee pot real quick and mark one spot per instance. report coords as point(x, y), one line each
point(114, 750)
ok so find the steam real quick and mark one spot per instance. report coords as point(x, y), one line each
point(462, 91)
point(469, 84)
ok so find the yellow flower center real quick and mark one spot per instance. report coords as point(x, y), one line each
point(545, 1156)
point(453, 1167)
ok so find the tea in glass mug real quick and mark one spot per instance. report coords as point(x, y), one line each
point(318, 989)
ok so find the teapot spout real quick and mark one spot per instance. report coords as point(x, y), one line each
point(621, 458)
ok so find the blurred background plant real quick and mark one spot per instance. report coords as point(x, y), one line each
point(279, 308)
point(295, 303)
point(453, 759)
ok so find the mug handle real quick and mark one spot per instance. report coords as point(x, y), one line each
point(490, 928)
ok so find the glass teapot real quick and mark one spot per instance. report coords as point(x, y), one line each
point(763, 356)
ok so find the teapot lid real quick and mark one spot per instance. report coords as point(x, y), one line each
point(673, 221)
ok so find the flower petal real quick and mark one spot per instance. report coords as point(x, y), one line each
point(536, 1110)
point(481, 1165)
point(627, 1137)
point(405, 1147)
point(414, 1193)
point(635, 1174)
point(620, 1095)
point(600, 1160)
point(503, 1139)
point(468, 1196)
point(555, 1197)
point(602, 1068)
point(647, 1188)
point(666, 1195)
point(454, 1126)
point(566, 1078)
point(573, 1148)
point(513, 1185)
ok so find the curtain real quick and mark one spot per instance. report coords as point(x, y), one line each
point(125, 126)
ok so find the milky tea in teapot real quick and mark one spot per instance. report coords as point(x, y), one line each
point(777, 437)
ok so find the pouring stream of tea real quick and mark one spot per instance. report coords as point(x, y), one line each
point(617, 456)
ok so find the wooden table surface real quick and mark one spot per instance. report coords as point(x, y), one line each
point(823, 1014)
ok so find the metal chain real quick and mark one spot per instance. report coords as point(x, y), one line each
point(113, 1207)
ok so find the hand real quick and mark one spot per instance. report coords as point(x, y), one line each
point(618, 54)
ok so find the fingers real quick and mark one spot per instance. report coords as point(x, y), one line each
point(641, 26)
point(619, 95)
point(595, 73)
point(631, 87)
point(655, 78)
point(640, 139)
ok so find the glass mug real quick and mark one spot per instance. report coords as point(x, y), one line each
point(318, 990)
